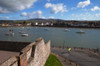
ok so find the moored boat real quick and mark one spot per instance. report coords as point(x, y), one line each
point(24, 34)
point(10, 34)
point(66, 30)
point(81, 32)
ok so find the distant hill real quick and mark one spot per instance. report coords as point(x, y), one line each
point(43, 20)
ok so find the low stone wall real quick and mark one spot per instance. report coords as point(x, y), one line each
point(25, 54)
point(13, 61)
point(33, 54)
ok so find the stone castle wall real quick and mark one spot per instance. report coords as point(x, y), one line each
point(34, 54)
point(42, 52)
point(13, 61)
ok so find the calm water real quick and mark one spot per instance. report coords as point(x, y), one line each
point(58, 36)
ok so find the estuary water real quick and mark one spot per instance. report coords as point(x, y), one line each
point(58, 36)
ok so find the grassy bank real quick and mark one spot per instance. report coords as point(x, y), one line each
point(53, 61)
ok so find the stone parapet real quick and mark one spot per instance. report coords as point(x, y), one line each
point(32, 54)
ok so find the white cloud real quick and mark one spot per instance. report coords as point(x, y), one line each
point(55, 8)
point(24, 14)
point(4, 18)
point(15, 5)
point(36, 14)
point(83, 4)
point(42, 17)
point(51, 17)
point(95, 8)
point(85, 16)
point(97, 15)
point(3, 10)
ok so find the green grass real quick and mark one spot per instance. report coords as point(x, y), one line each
point(53, 61)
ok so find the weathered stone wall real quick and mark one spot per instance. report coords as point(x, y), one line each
point(42, 52)
point(34, 54)
point(23, 60)
point(26, 54)
point(13, 61)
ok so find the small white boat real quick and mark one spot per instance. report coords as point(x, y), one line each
point(24, 34)
point(66, 30)
point(21, 32)
point(10, 34)
point(81, 32)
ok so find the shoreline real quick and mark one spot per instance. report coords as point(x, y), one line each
point(56, 27)
point(78, 56)
point(94, 50)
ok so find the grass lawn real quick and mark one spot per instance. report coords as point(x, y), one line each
point(53, 61)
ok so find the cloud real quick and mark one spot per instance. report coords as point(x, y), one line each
point(97, 15)
point(7, 6)
point(3, 10)
point(55, 8)
point(24, 14)
point(95, 8)
point(36, 14)
point(51, 17)
point(4, 18)
point(85, 16)
point(83, 4)
point(42, 17)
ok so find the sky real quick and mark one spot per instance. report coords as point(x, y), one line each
point(50, 9)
